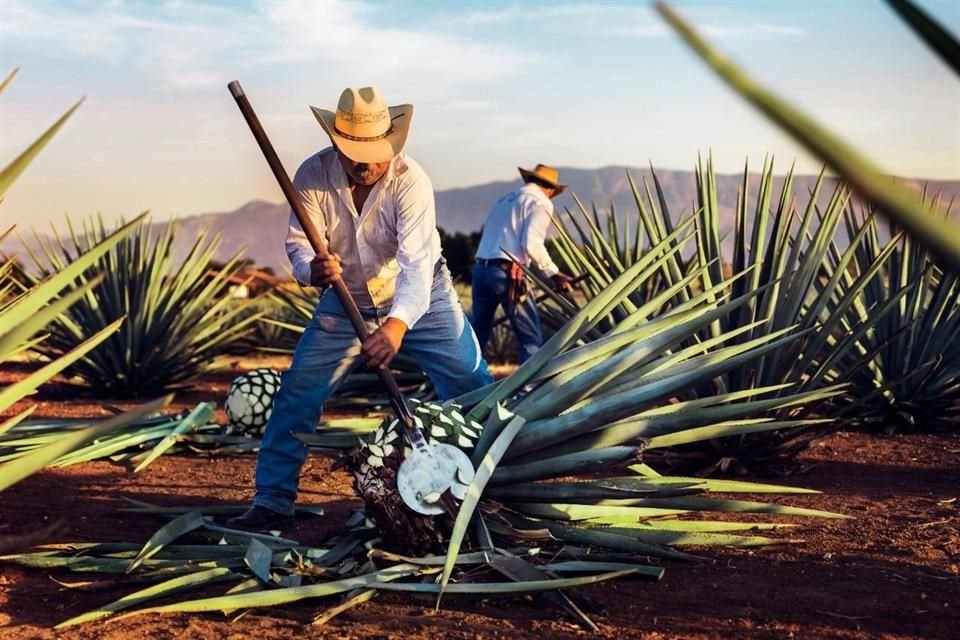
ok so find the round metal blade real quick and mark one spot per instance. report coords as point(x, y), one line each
point(422, 476)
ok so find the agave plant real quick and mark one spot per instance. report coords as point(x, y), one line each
point(24, 312)
point(584, 410)
point(912, 377)
point(23, 317)
point(792, 260)
point(179, 317)
point(587, 404)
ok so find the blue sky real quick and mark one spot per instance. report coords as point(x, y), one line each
point(495, 85)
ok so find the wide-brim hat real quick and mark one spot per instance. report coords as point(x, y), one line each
point(364, 128)
point(543, 173)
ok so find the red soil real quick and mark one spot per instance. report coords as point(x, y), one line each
point(894, 572)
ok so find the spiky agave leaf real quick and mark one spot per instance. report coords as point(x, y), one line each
point(12, 171)
point(179, 317)
point(585, 383)
point(789, 256)
point(940, 234)
point(911, 379)
point(631, 381)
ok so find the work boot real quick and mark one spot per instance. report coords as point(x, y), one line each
point(258, 518)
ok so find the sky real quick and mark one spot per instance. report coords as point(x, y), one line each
point(495, 84)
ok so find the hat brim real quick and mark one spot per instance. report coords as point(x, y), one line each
point(381, 150)
point(530, 175)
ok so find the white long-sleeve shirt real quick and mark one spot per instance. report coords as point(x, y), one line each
point(517, 224)
point(389, 250)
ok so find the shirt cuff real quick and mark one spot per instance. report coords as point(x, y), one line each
point(405, 314)
point(301, 272)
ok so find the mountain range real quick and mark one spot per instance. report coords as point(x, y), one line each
point(260, 226)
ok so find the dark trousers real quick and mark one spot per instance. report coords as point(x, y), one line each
point(490, 290)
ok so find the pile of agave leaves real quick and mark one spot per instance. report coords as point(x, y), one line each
point(572, 503)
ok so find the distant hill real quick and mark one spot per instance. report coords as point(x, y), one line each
point(261, 225)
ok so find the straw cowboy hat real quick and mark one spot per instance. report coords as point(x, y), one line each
point(364, 128)
point(545, 174)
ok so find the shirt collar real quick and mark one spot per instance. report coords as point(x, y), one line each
point(536, 192)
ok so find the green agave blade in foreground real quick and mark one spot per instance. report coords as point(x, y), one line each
point(15, 168)
point(289, 594)
point(934, 35)
point(939, 233)
point(18, 338)
point(24, 308)
point(8, 79)
point(484, 472)
point(200, 415)
point(180, 315)
point(169, 587)
point(19, 469)
point(15, 392)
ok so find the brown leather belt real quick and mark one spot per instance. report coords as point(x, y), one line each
point(495, 262)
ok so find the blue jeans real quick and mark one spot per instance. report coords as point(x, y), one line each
point(442, 342)
point(490, 291)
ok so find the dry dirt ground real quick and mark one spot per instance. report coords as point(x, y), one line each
point(894, 572)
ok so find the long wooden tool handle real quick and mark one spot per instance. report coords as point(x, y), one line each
point(399, 403)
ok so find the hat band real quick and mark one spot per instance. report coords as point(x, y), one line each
point(363, 138)
point(353, 138)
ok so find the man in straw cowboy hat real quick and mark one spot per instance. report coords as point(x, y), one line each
point(516, 228)
point(375, 206)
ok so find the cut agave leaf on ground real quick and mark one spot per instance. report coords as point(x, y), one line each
point(589, 566)
point(519, 570)
point(502, 588)
point(164, 589)
point(275, 597)
point(353, 599)
point(168, 533)
point(200, 415)
point(24, 466)
point(259, 558)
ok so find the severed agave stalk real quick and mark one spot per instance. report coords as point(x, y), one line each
point(375, 465)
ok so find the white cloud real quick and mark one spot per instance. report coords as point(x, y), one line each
point(617, 20)
point(337, 31)
point(756, 29)
point(189, 45)
point(540, 13)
